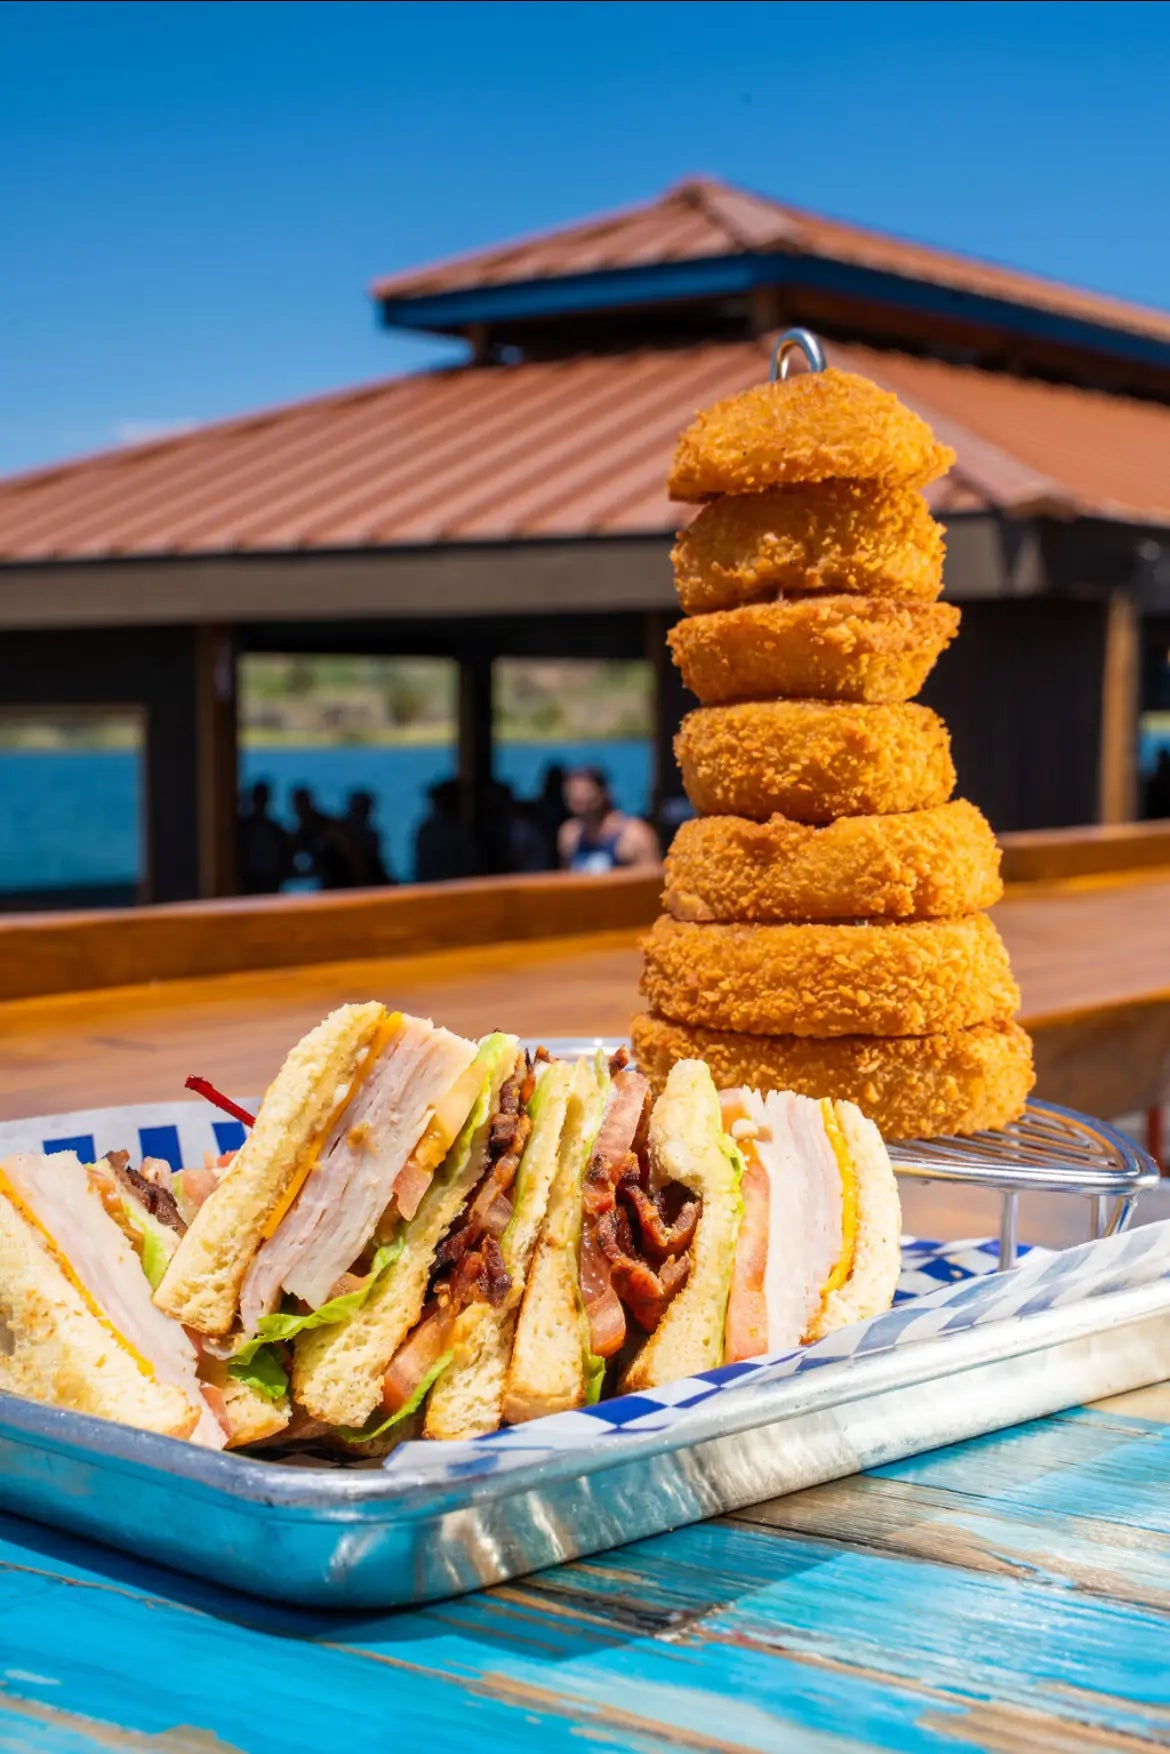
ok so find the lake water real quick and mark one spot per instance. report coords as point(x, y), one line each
point(70, 819)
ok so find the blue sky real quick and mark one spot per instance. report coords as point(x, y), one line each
point(196, 196)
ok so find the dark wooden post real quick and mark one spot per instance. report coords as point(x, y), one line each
point(1120, 688)
point(476, 748)
point(216, 756)
point(671, 702)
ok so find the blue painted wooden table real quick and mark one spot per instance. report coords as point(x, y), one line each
point(1009, 1593)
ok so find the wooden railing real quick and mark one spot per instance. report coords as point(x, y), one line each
point(46, 953)
point(1048, 855)
point(66, 952)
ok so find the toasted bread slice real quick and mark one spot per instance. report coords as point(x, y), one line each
point(877, 1254)
point(201, 1286)
point(466, 1400)
point(687, 1145)
point(338, 1370)
point(547, 1372)
point(251, 1416)
point(57, 1347)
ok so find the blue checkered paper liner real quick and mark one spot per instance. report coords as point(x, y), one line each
point(179, 1133)
point(945, 1288)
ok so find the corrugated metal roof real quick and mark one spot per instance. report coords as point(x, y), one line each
point(560, 448)
point(704, 218)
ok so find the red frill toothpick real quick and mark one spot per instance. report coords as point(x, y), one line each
point(205, 1088)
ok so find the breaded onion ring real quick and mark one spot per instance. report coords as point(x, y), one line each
point(926, 864)
point(814, 760)
point(814, 427)
point(916, 1087)
point(821, 648)
point(850, 536)
point(912, 978)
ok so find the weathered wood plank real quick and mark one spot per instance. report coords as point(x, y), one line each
point(137, 1044)
point(1097, 1556)
point(716, 1637)
point(1109, 1468)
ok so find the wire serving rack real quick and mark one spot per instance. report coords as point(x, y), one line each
point(1051, 1150)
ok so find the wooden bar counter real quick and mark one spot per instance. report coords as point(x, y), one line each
point(111, 1008)
point(544, 956)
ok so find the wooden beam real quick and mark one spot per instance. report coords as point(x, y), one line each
point(1108, 1059)
point(591, 576)
point(64, 952)
point(1120, 685)
point(151, 670)
point(594, 576)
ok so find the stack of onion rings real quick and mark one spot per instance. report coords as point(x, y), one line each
point(825, 930)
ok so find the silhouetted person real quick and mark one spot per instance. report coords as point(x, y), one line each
point(498, 827)
point(442, 846)
point(265, 845)
point(309, 835)
point(527, 842)
point(1158, 786)
point(598, 836)
point(364, 843)
point(551, 810)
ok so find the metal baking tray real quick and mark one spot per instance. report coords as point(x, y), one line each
point(360, 1538)
point(971, 1358)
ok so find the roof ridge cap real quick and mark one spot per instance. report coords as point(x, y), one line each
point(719, 199)
point(383, 286)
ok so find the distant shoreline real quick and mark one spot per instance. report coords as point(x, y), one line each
point(278, 740)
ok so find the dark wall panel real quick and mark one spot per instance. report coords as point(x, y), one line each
point(150, 668)
point(1021, 691)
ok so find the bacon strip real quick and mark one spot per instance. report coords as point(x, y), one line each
point(613, 1158)
point(633, 1254)
point(660, 1238)
point(645, 1293)
point(607, 1318)
point(468, 1262)
point(488, 1209)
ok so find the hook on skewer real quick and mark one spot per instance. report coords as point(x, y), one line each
point(796, 341)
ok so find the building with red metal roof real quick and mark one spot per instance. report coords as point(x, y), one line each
point(515, 504)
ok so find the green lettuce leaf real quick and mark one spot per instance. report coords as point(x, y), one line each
point(594, 1378)
point(262, 1371)
point(156, 1243)
point(155, 1257)
point(367, 1433)
point(537, 1104)
point(494, 1051)
point(338, 1309)
point(734, 1156)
